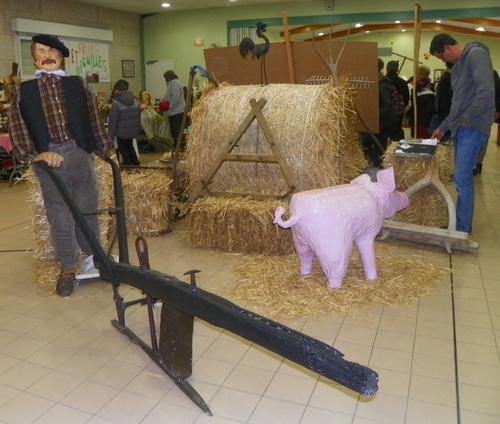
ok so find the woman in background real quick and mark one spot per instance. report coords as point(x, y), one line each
point(173, 104)
point(425, 109)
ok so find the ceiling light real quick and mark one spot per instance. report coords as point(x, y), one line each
point(367, 31)
point(438, 21)
point(358, 25)
point(480, 29)
point(321, 33)
point(403, 30)
point(397, 22)
point(165, 5)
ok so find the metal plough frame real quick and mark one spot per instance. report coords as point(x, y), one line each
point(182, 302)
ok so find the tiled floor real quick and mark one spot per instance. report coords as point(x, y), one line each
point(61, 361)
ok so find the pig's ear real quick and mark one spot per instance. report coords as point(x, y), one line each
point(363, 179)
point(385, 178)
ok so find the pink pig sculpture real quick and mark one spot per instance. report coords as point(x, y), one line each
point(325, 223)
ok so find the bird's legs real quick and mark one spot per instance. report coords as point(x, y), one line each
point(263, 73)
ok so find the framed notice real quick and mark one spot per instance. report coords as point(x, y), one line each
point(128, 69)
point(438, 74)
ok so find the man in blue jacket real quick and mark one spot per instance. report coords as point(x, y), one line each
point(471, 114)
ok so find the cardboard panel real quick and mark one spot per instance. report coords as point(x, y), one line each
point(359, 60)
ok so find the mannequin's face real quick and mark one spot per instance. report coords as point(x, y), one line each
point(47, 58)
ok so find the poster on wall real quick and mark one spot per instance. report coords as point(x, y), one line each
point(88, 60)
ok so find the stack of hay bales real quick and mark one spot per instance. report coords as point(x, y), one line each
point(146, 202)
point(241, 225)
point(313, 127)
point(427, 206)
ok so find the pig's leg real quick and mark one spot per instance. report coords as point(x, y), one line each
point(303, 249)
point(334, 260)
point(306, 256)
point(366, 247)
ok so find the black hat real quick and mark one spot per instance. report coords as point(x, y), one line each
point(51, 41)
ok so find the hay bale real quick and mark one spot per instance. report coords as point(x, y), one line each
point(427, 206)
point(238, 225)
point(313, 125)
point(146, 202)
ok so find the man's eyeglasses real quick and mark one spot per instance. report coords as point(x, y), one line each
point(441, 53)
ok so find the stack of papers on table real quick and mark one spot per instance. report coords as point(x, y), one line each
point(423, 149)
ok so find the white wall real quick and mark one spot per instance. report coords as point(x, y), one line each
point(125, 27)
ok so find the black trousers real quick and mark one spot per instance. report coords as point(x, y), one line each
point(175, 122)
point(371, 148)
point(127, 151)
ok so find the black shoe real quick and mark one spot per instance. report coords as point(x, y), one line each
point(479, 167)
point(66, 283)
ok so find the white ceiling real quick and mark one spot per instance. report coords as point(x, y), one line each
point(145, 7)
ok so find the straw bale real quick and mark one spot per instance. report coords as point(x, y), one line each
point(427, 206)
point(146, 202)
point(274, 287)
point(240, 225)
point(313, 126)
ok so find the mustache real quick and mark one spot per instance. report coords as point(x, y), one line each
point(46, 61)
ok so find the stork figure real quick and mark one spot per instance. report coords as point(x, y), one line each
point(258, 51)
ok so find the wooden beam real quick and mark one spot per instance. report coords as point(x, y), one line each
point(408, 26)
point(289, 58)
point(307, 28)
point(417, 27)
point(482, 22)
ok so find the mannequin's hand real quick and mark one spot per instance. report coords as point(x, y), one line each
point(53, 159)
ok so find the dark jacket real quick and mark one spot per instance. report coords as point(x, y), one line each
point(444, 94)
point(497, 94)
point(79, 122)
point(401, 85)
point(124, 116)
point(388, 117)
point(425, 108)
